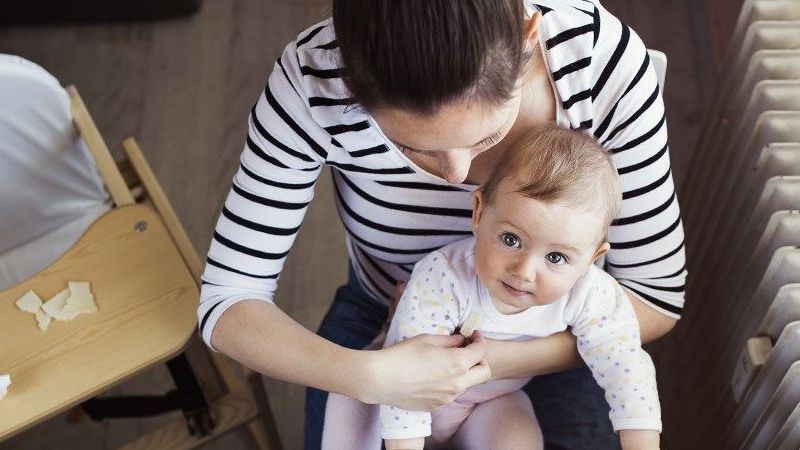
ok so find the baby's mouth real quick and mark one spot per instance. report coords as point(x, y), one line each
point(514, 291)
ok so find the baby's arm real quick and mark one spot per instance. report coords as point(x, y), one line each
point(429, 305)
point(608, 340)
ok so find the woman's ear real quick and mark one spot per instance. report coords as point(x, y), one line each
point(602, 250)
point(477, 209)
point(530, 32)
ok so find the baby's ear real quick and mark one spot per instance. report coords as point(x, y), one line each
point(601, 251)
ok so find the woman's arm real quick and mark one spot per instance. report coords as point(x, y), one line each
point(405, 444)
point(421, 373)
point(639, 439)
point(647, 242)
point(283, 155)
point(520, 359)
point(262, 337)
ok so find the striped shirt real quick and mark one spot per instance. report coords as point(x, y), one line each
point(395, 213)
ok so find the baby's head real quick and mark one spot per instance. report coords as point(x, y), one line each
point(542, 217)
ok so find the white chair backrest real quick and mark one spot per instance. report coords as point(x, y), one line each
point(49, 184)
point(659, 60)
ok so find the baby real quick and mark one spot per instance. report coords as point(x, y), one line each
point(540, 222)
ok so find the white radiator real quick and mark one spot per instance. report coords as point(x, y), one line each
point(739, 341)
point(778, 398)
point(788, 438)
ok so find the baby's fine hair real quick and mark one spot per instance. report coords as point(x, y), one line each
point(555, 164)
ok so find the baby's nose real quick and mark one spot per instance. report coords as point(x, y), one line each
point(525, 270)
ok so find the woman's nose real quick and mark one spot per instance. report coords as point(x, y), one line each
point(454, 165)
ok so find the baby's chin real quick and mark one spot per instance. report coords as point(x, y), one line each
point(549, 298)
point(538, 301)
point(507, 303)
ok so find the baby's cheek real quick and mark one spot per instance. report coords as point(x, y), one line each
point(484, 261)
point(552, 289)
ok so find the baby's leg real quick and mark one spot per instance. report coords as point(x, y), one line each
point(507, 422)
point(445, 421)
point(350, 425)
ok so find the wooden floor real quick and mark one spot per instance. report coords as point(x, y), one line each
point(184, 88)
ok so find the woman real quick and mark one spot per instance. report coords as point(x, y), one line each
point(411, 102)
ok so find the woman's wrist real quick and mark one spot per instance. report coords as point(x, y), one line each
point(534, 357)
point(494, 358)
point(361, 372)
point(510, 359)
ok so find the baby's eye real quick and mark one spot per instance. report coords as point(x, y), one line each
point(556, 258)
point(510, 240)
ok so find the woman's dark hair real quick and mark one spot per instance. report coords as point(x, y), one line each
point(418, 55)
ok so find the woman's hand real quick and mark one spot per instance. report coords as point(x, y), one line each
point(426, 371)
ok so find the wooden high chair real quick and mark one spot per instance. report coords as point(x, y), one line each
point(144, 276)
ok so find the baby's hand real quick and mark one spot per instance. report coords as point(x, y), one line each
point(405, 444)
point(639, 439)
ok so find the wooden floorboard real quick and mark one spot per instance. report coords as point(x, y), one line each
point(184, 87)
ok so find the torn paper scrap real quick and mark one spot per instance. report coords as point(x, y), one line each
point(42, 319)
point(55, 306)
point(80, 298)
point(30, 302)
point(5, 381)
point(76, 299)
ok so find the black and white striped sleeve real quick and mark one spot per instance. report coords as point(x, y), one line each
point(647, 242)
point(280, 163)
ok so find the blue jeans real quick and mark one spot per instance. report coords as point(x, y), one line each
point(570, 406)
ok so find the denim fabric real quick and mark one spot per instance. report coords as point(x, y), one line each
point(570, 406)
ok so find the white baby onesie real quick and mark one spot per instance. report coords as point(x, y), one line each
point(444, 289)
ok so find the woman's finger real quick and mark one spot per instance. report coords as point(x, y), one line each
point(474, 352)
point(477, 336)
point(478, 374)
point(445, 341)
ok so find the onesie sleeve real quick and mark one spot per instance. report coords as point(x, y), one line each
point(609, 343)
point(430, 305)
